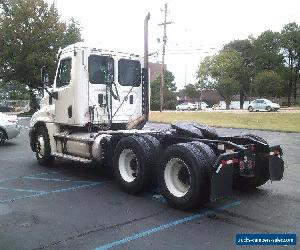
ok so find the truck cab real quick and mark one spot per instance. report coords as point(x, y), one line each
point(96, 87)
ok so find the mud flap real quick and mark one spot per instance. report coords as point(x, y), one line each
point(276, 168)
point(221, 183)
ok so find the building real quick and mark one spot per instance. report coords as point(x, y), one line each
point(155, 70)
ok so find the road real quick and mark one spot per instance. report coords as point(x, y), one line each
point(75, 206)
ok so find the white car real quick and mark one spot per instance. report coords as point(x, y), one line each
point(186, 106)
point(9, 127)
point(263, 105)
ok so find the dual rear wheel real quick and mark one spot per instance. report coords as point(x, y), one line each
point(182, 174)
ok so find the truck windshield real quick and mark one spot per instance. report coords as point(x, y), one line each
point(129, 72)
point(101, 69)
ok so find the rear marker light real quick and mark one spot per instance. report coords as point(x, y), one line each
point(225, 163)
point(242, 165)
point(250, 164)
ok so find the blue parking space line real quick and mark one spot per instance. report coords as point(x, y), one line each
point(21, 190)
point(43, 173)
point(164, 227)
point(20, 177)
point(42, 193)
point(57, 180)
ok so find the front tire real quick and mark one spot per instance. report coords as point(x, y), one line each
point(250, 108)
point(268, 108)
point(42, 147)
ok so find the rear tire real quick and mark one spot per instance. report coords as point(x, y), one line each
point(183, 176)
point(42, 147)
point(134, 164)
point(261, 170)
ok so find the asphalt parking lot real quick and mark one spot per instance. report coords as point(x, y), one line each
point(75, 206)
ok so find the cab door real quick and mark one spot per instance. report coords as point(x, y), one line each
point(63, 89)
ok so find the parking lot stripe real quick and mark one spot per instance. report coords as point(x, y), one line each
point(42, 193)
point(21, 190)
point(164, 227)
point(38, 174)
point(57, 180)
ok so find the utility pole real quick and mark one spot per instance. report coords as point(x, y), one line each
point(162, 83)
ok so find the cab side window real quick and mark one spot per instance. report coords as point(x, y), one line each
point(64, 73)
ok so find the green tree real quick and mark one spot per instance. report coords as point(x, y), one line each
point(190, 91)
point(267, 48)
point(226, 70)
point(203, 74)
point(30, 36)
point(169, 92)
point(290, 42)
point(222, 73)
point(269, 84)
point(245, 48)
point(13, 91)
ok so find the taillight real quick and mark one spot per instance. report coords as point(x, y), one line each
point(242, 165)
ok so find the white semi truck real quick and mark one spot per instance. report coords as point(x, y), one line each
point(95, 112)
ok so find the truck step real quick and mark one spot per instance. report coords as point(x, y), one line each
point(72, 158)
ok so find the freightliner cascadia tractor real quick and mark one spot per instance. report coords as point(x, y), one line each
point(95, 111)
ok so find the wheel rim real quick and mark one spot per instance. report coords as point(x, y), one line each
point(40, 146)
point(250, 109)
point(128, 165)
point(177, 177)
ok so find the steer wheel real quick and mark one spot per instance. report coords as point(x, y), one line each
point(42, 147)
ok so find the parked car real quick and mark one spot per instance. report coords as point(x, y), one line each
point(186, 106)
point(263, 105)
point(9, 127)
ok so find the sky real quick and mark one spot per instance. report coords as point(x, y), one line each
point(199, 28)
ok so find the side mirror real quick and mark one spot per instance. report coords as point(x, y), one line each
point(109, 73)
point(44, 76)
